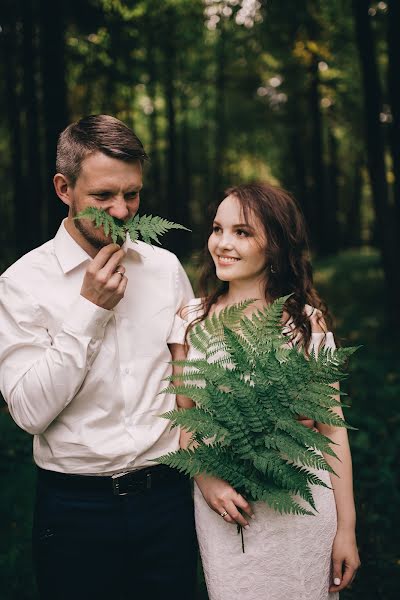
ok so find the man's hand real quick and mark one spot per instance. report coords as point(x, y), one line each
point(102, 284)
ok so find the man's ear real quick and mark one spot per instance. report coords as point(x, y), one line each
point(62, 188)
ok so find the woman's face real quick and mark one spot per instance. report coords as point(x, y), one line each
point(238, 248)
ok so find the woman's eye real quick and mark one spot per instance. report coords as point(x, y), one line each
point(242, 233)
point(216, 229)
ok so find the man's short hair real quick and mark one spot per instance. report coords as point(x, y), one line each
point(96, 133)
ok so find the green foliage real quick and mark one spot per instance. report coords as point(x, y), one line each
point(149, 227)
point(248, 388)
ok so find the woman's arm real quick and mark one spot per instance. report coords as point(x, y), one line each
point(219, 494)
point(345, 556)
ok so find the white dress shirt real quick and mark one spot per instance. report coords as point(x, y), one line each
point(84, 380)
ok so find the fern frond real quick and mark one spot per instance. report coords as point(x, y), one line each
point(199, 422)
point(102, 219)
point(149, 227)
point(248, 388)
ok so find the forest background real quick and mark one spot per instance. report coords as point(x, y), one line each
point(303, 93)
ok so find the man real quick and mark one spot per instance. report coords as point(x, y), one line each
point(84, 332)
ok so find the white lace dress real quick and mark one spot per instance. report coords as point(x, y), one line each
point(287, 557)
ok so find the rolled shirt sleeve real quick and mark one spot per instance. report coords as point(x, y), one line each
point(40, 375)
point(184, 294)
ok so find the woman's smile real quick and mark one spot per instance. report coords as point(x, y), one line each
point(226, 261)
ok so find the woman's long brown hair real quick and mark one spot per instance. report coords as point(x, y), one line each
point(288, 269)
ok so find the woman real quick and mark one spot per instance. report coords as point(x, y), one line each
point(258, 249)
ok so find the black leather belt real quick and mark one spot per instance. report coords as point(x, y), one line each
point(120, 484)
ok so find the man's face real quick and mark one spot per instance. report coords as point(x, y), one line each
point(107, 183)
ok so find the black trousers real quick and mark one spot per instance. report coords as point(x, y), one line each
point(94, 544)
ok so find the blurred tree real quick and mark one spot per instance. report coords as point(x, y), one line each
point(11, 48)
point(55, 100)
point(33, 191)
point(393, 39)
point(375, 148)
point(220, 124)
point(169, 50)
point(151, 29)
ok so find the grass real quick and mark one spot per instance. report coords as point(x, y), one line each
point(352, 285)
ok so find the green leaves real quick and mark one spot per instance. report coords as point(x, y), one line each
point(248, 386)
point(147, 226)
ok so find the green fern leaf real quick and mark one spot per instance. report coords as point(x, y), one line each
point(102, 219)
point(248, 387)
point(149, 227)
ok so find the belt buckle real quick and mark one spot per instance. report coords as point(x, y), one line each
point(115, 483)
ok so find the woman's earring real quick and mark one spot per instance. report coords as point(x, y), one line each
point(272, 269)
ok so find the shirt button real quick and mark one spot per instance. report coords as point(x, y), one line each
point(127, 371)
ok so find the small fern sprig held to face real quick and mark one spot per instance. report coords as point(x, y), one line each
point(248, 387)
point(149, 227)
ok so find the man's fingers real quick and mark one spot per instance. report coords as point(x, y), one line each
point(122, 286)
point(103, 256)
point(112, 264)
point(114, 282)
point(120, 269)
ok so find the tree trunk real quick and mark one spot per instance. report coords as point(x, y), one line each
point(220, 126)
point(296, 175)
point(331, 208)
point(318, 187)
point(296, 165)
point(17, 219)
point(351, 237)
point(173, 196)
point(32, 179)
point(185, 169)
point(155, 187)
point(394, 96)
point(55, 107)
point(376, 159)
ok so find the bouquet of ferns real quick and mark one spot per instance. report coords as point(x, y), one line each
point(149, 227)
point(248, 387)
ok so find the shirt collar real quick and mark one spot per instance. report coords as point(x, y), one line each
point(70, 254)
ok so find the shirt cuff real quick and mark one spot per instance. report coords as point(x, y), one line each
point(178, 331)
point(87, 319)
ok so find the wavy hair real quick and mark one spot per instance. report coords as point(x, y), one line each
point(288, 269)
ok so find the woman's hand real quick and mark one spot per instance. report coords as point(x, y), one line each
point(310, 423)
point(222, 498)
point(345, 560)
